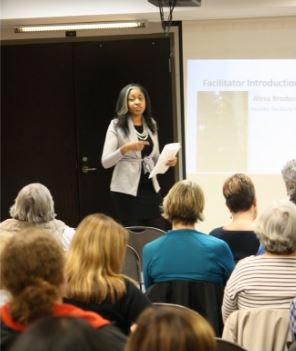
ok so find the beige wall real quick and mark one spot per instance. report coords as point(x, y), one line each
point(237, 39)
point(245, 38)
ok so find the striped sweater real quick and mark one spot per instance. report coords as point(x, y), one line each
point(260, 281)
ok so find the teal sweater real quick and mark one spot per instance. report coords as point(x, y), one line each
point(186, 254)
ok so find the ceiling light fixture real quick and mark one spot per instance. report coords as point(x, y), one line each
point(79, 26)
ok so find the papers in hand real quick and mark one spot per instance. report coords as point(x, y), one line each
point(169, 151)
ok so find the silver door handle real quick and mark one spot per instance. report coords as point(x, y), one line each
point(86, 169)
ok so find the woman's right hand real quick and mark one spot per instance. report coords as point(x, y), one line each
point(133, 146)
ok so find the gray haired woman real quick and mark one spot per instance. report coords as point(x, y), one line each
point(268, 280)
point(34, 206)
point(289, 177)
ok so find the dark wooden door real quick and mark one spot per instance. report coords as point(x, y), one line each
point(57, 101)
point(101, 69)
point(38, 142)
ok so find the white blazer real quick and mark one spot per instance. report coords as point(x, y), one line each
point(127, 171)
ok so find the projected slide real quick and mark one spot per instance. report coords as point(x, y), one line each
point(240, 115)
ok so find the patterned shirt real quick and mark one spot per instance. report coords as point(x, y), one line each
point(293, 317)
point(260, 281)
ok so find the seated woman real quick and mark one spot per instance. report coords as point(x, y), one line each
point(34, 206)
point(289, 178)
point(93, 272)
point(268, 280)
point(239, 193)
point(184, 253)
point(4, 238)
point(31, 269)
point(168, 328)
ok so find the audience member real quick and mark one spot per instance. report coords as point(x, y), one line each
point(239, 193)
point(62, 334)
point(4, 238)
point(184, 253)
point(268, 280)
point(34, 206)
point(93, 272)
point(289, 177)
point(31, 269)
point(162, 328)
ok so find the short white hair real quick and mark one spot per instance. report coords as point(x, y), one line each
point(289, 176)
point(33, 204)
point(276, 227)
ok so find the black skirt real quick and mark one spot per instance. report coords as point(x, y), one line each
point(146, 205)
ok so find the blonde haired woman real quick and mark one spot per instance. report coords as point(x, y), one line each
point(185, 253)
point(168, 328)
point(93, 272)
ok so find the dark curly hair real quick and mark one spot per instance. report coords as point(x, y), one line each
point(32, 265)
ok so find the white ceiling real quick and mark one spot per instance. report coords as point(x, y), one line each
point(34, 10)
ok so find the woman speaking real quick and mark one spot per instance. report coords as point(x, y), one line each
point(132, 148)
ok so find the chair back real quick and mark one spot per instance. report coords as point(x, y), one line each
point(203, 297)
point(141, 235)
point(225, 345)
point(132, 265)
point(259, 329)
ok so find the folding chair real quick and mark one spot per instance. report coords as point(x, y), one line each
point(201, 296)
point(141, 235)
point(138, 237)
point(132, 265)
point(224, 345)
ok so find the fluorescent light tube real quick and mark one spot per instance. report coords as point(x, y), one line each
point(79, 26)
